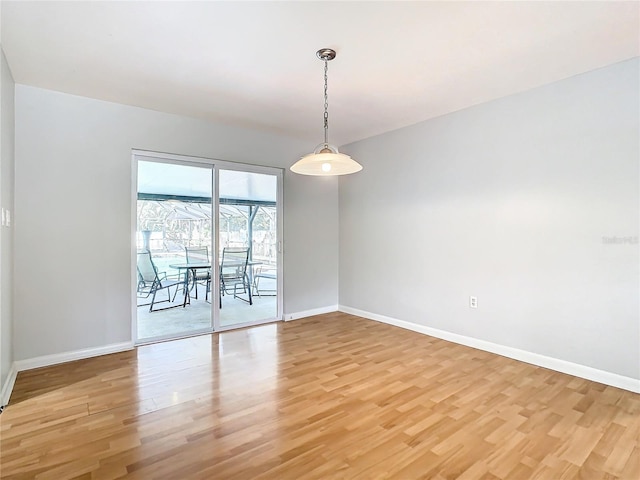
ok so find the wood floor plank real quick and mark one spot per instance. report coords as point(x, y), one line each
point(328, 397)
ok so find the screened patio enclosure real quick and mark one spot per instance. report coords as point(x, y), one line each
point(174, 213)
point(169, 225)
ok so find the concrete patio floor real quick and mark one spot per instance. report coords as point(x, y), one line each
point(197, 315)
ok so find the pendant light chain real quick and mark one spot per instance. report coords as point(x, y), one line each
point(326, 105)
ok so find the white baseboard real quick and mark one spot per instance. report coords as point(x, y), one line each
point(7, 388)
point(56, 358)
point(310, 313)
point(563, 366)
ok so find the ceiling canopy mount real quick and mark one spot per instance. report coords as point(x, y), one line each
point(326, 54)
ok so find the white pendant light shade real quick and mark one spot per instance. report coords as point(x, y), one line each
point(326, 160)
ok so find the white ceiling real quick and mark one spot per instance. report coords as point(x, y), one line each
point(253, 63)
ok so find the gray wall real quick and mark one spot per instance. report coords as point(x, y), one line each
point(73, 209)
point(7, 130)
point(529, 202)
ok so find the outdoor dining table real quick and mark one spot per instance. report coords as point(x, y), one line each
point(192, 267)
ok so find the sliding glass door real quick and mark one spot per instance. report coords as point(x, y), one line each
point(207, 246)
point(248, 245)
point(174, 227)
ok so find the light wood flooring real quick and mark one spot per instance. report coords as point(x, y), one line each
point(328, 397)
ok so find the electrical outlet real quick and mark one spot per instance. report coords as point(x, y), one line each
point(473, 302)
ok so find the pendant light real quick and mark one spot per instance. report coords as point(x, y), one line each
point(326, 159)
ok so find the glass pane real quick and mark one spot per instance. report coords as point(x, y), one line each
point(174, 226)
point(248, 247)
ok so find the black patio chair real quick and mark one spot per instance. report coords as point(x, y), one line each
point(201, 276)
point(150, 282)
point(233, 273)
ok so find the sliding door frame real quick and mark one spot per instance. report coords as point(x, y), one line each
point(215, 165)
point(278, 173)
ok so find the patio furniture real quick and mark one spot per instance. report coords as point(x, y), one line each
point(150, 282)
point(202, 276)
point(233, 273)
point(190, 270)
point(265, 272)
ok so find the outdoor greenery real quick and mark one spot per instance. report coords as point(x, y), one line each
point(172, 225)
